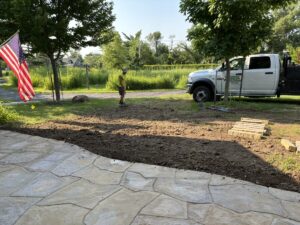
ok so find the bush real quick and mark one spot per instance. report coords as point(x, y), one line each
point(7, 115)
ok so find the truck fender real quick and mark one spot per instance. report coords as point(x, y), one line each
point(204, 82)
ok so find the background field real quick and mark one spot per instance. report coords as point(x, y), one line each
point(150, 77)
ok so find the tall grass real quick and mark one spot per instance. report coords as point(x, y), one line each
point(150, 79)
point(73, 78)
point(179, 66)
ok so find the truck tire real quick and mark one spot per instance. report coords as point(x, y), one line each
point(202, 94)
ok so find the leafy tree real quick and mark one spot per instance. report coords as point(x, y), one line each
point(53, 27)
point(133, 44)
point(75, 54)
point(155, 39)
point(286, 31)
point(115, 54)
point(147, 55)
point(226, 28)
point(93, 60)
point(162, 54)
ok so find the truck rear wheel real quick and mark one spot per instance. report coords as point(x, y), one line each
point(202, 94)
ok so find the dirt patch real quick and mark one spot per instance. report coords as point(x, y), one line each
point(164, 136)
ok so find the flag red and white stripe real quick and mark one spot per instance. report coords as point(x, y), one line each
point(11, 52)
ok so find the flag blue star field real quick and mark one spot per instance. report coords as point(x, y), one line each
point(11, 52)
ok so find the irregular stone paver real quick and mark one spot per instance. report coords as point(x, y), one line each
point(284, 222)
point(119, 209)
point(244, 198)
point(151, 220)
point(42, 165)
point(57, 156)
point(285, 195)
point(43, 147)
point(43, 185)
point(195, 191)
point(137, 182)
point(112, 164)
point(293, 209)
point(49, 182)
point(13, 145)
point(213, 215)
point(152, 170)
point(12, 208)
point(4, 168)
point(217, 180)
point(53, 215)
point(97, 176)
point(190, 174)
point(21, 157)
point(14, 179)
point(166, 207)
point(75, 163)
point(81, 193)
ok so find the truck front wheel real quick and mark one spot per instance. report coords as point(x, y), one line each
point(202, 94)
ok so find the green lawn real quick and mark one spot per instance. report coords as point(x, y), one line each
point(40, 112)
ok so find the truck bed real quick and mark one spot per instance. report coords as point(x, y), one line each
point(290, 81)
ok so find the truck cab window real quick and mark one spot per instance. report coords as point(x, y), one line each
point(236, 64)
point(263, 62)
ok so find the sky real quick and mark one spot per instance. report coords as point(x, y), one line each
point(149, 16)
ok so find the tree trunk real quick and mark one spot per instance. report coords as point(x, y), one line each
point(56, 80)
point(226, 94)
point(242, 77)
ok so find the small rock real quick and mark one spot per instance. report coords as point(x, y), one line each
point(80, 98)
point(298, 146)
point(288, 145)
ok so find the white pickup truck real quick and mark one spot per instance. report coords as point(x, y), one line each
point(264, 76)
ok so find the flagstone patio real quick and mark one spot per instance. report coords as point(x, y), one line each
point(48, 182)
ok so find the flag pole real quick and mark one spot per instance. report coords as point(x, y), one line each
point(9, 38)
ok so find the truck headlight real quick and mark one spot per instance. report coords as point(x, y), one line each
point(190, 80)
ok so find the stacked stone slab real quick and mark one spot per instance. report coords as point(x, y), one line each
point(250, 128)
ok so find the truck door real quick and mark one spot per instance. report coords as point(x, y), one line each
point(260, 75)
point(235, 75)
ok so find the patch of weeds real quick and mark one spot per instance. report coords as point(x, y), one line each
point(288, 164)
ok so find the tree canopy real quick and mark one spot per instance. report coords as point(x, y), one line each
point(286, 30)
point(53, 27)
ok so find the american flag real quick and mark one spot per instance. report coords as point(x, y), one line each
point(13, 55)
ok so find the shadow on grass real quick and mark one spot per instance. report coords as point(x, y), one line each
point(218, 157)
point(293, 100)
point(165, 109)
